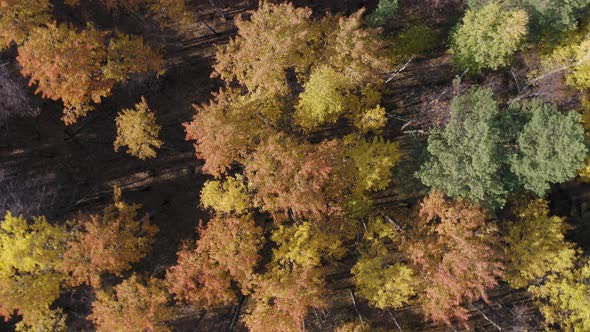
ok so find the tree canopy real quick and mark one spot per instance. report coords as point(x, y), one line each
point(138, 131)
point(488, 37)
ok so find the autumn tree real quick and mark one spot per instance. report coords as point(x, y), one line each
point(380, 274)
point(128, 55)
point(138, 131)
point(222, 134)
point(298, 178)
point(455, 248)
point(227, 251)
point(564, 298)
point(569, 57)
point(368, 169)
point(19, 17)
point(324, 98)
point(548, 18)
point(251, 57)
point(30, 281)
point(228, 196)
point(70, 65)
point(536, 245)
point(108, 243)
point(465, 157)
point(295, 279)
point(132, 305)
point(340, 42)
point(283, 298)
point(488, 37)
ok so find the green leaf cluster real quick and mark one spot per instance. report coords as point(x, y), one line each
point(483, 154)
point(488, 37)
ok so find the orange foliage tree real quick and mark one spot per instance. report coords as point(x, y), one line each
point(226, 251)
point(108, 243)
point(456, 248)
point(79, 67)
point(133, 305)
point(222, 134)
point(299, 178)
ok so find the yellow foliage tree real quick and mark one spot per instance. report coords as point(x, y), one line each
point(373, 119)
point(138, 131)
point(18, 18)
point(129, 54)
point(228, 196)
point(379, 276)
point(30, 259)
point(572, 56)
point(133, 305)
point(306, 245)
point(373, 161)
point(564, 298)
point(536, 245)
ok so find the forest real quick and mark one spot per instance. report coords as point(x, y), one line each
point(304, 165)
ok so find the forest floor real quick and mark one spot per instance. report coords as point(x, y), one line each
point(47, 167)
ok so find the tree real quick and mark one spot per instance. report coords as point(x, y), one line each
point(229, 196)
point(19, 17)
point(283, 298)
point(108, 243)
point(70, 65)
point(554, 16)
point(66, 64)
point(570, 57)
point(133, 305)
point(465, 158)
point(564, 298)
point(324, 99)
point(487, 37)
point(305, 245)
point(129, 54)
point(294, 280)
point(550, 147)
point(221, 133)
point(383, 13)
point(536, 245)
point(297, 177)
point(356, 51)
point(138, 131)
point(379, 277)
point(227, 251)
point(373, 161)
point(30, 260)
point(372, 120)
point(455, 247)
point(343, 43)
point(549, 18)
point(252, 57)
